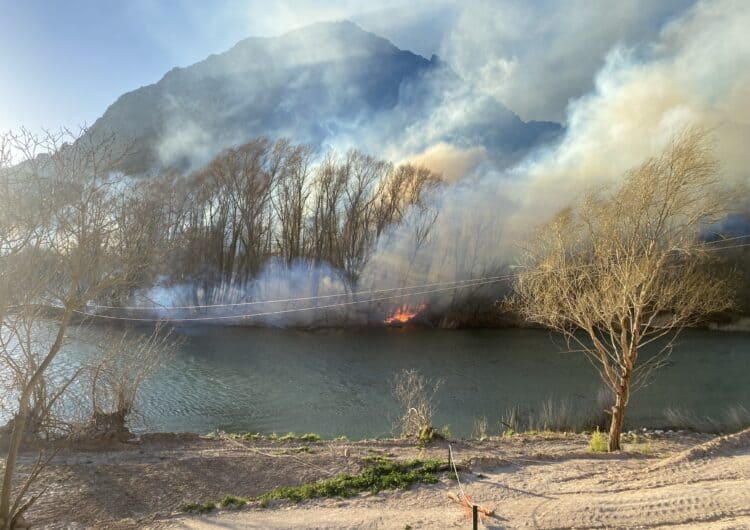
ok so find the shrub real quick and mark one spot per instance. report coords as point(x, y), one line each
point(598, 442)
point(198, 507)
point(416, 395)
point(232, 501)
point(480, 429)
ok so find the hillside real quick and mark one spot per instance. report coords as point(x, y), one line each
point(328, 84)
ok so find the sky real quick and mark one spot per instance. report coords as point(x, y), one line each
point(63, 63)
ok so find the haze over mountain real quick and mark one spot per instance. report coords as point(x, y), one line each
point(328, 84)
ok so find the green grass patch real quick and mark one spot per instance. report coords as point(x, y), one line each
point(198, 507)
point(249, 436)
point(232, 501)
point(254, 436)
point(382, 475)
point(290, 436)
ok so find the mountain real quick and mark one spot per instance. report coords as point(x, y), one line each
point(328, 84)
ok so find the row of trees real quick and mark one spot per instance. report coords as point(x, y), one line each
point(266, 201)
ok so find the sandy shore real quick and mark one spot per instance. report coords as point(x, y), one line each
point(537, 481)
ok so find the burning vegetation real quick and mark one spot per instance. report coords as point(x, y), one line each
point(404, 314)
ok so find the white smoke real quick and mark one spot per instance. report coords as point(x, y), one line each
point(694, 71)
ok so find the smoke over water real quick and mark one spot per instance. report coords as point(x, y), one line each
point(693, 70)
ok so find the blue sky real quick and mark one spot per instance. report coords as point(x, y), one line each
point(64, 62)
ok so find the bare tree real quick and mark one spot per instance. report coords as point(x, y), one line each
point(115, 380)
point(626, 268)
point(290, 202)
point(72, 252)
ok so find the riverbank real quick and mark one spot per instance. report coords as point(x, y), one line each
point(542, 480)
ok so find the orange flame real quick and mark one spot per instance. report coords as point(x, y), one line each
point(404, 314)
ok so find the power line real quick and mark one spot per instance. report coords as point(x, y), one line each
point(725, 239)
point(298, 299)
point(741, 245)
point(292, 310)
point(464, 283)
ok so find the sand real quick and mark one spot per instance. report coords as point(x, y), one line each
point(543, 481)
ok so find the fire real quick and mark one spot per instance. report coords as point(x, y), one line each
point(404, 314)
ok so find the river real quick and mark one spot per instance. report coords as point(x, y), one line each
point(337, 382)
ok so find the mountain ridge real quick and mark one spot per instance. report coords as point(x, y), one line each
point(318, 84)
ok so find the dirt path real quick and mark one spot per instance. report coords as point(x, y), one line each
point(530, 481)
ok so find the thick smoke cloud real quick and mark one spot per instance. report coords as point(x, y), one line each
point(695, 72)
point(694, 69)
point(536, 56)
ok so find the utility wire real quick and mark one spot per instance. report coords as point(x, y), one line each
point(355, 293)
point(464, 283)
point(722, 240)
point(286, 311)
point(299, 299)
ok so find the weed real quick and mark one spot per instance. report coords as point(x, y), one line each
point(638, 445)
point(231, 501)
point(598, 442)
point(557, 415)
point(480, 429)
point(290, 436)
point(197, 507)
point(426, 435)
point(734, 418)
point(249, 436)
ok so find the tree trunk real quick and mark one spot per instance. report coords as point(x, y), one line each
point(19, 427)
point(6, 518)
point(618, 414)
point(615, 428)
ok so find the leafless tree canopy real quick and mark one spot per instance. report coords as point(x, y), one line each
point(114, 380)
point(266, 201)
point(627, 267)
point(67, 237)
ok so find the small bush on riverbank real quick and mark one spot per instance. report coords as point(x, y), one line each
point(416, 396)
